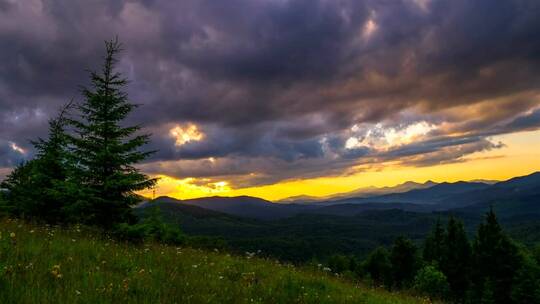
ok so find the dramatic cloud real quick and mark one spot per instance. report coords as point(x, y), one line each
point(260, 91)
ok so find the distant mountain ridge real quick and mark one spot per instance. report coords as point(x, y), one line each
point(361, 192)
point(430, 197)
point(243, 206)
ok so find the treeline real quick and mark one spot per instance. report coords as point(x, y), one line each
point(84, 171)
point(491, 268)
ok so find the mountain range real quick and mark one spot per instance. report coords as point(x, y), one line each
point(415, 197)
point(359, 193)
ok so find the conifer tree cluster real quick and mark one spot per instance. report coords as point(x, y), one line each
point(489, 269)
point(84, 171)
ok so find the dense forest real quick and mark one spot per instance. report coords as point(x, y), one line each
point(490, 268)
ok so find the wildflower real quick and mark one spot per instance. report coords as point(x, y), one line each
point(56, 272)
point(12, 235)
point(77, 292)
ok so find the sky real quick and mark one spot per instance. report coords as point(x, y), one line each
point(278, 98)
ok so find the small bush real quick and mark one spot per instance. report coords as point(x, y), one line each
point(152, 228)
point(431, 282)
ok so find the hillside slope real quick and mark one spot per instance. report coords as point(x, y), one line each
point(53, 265)
point(243, 206)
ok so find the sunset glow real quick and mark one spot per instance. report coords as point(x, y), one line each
point(520, 156)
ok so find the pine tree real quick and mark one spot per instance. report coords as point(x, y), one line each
point(379, 267)
point(36, 188)
point(496, 260)
point(456, 259)
point(404, 262)
point(434, 244)
point(106, 151)
point(51, 170)
point(526, 288)
point(17, 191)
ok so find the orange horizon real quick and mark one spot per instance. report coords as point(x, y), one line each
point(520, 156)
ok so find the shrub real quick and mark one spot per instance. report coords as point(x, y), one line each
point(151, 228)
point(431, 282)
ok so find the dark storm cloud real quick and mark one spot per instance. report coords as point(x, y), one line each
point(529, 121)
point(276, 85)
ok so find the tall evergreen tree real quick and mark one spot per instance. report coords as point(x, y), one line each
point(51, 169)
point(496, 260)
point(37, 188)
point(456, 260)
point(434, 244)
point(106, 151)
point(404, 261)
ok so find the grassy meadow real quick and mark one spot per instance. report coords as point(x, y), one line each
point(44, 264)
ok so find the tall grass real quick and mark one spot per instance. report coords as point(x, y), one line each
point(40, 264)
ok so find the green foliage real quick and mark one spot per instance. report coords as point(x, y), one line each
point(455, 262)
point(404, 262)
point(339, 263)
point(205, 242)
point(151, 228)
point(526, 288)
point(37, 189)
point(379, 267)
point(105, 151)
point(431, 282)
point(487, 293)
point(18, 191)
point(434, 244)
point(496, 260)
point(44, 264)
